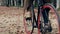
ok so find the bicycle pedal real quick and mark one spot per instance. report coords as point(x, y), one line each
point(28, 18)
point(35, 26)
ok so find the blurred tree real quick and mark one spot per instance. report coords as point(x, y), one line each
point(8, 2)
point(18, 3)
point(22, 2)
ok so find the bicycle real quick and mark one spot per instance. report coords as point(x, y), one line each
point(45, 18)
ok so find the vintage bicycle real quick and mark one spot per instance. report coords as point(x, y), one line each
point(46, 21)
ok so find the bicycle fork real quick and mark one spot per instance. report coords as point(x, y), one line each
point(37, 21)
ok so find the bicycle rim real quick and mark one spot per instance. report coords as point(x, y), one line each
point(53, 19)
point(28, 24)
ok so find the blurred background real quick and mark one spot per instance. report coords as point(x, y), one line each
point(20, 3)
point(11, 18)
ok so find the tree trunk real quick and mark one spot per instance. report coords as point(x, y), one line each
point(57, 4)
point(22, 2)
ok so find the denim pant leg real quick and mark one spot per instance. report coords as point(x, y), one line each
point(45, 13)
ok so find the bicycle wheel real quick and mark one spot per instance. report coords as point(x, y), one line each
point(50, 17)
point(27, 23)
point(30, 22)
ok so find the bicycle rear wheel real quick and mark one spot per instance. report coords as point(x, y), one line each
point(52, 18)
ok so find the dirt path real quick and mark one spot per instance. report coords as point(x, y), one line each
point(11, 20)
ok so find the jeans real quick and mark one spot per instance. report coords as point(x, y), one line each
point(45, 13)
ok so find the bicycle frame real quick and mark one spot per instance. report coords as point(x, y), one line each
point(34, 18)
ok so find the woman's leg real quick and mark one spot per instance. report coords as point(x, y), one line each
point(45, 15)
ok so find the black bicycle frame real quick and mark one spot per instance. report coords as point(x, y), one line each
point(35, 21)
point(34, 18)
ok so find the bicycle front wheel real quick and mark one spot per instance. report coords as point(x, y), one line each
point(50, 16)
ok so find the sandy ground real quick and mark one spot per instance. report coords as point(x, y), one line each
point(11, 20)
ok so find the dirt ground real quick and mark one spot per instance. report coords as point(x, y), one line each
point(11, 20)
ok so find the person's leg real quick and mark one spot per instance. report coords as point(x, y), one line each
point(45, 15)
point(47, 24)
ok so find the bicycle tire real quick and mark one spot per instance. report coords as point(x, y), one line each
point(31, 19)
point(54, 14)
